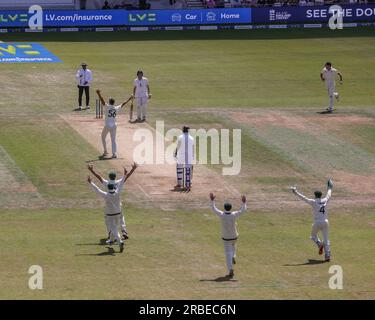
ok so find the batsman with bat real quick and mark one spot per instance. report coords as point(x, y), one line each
point(319, 207)
point(141, 92)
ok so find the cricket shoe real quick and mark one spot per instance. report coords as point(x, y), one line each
point(121, 247)
point(104, 154)
point(114, 156)
point(321, 247)
point(231, 274)
point(327, 258)
point(329, 110)
point(109, 242)
point(125, 236)
point(87, 107)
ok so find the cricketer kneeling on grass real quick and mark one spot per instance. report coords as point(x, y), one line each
point(110, 122)
point(320, 213)
point(184, 155)
point(229, 231)
point(115, 182)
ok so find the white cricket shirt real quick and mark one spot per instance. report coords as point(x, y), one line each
point(228, 221)
point(111, 114)
point(112, 200)
point(185, 149)
point(319, 206)
point(141, 86)
point(83, 76)
point(329, 75)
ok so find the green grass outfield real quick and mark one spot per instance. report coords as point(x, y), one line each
point(196, 78)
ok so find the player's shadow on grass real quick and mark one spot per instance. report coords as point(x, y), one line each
point(219, 279)
point(102, 242)
point(110, 252)
point(100, 158)
point(307, 263)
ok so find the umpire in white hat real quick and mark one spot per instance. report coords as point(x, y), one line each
point(84, 79)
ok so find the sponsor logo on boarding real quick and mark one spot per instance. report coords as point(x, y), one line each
point(142, 17)
point(33, 17)
point(25, 53)
point(211, 16)
point(176, 17)
point(277, 15)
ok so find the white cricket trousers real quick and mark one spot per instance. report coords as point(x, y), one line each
point(331, 94)
point(141, 108)
point(114, 223)
point(122, 224)
point(230, 252)
point(322, 226)
point(112, 132)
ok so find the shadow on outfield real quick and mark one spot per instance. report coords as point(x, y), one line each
point(307, 263)
point(102, 242)
point(219, 279)
point(109, 252)
point(100, 158)
point(256, 34)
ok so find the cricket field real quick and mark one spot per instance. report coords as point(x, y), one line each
point(264, 82)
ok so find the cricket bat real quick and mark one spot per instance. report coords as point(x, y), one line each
point(131, 112)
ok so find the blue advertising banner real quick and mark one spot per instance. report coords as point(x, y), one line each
point(65, 18)
point(25, 52)
point(81, 18)
point(312, 14)
point(183, 17)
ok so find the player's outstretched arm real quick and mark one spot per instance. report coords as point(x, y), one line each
point(125, 102)
point(134, 167)
point(321, 77)
point(95, 187)
point(243, 207)
point(99, 93)
point(97, 175)
point(329, 191)
point(213, 206)
point(301, 196)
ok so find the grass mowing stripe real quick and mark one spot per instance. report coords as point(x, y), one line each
point(50, 153)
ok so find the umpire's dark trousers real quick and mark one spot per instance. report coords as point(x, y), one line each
point(80, 94)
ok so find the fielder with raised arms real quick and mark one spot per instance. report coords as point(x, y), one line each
point(229, 231)
point(329, 75)
point(110, 123)
point(320, 212)
point(115, 182)
point(112, 206)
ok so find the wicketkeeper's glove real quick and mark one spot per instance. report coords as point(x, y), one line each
point(330, 184)
point(294, 189)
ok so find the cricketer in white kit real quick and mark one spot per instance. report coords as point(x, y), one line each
point(320, 212)
point(141, 92)
point(328, 75)
point(110, 125)
point(185, 157)
point(113, 180)
point(112, 206)
point(229, 231)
